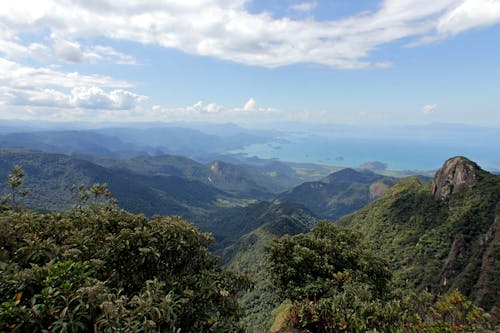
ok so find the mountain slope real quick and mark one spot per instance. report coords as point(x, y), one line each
point(440, 236)
point(229, 224)
point(50, 177)
point(339, 193)
point(255, 182)
point(248, 254)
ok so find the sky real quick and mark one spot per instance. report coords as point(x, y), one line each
point(362, 62)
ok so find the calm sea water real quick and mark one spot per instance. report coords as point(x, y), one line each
point(398, 154)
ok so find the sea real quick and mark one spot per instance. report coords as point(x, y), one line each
point(395, 153)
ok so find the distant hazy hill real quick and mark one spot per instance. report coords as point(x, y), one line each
point(72, 142)
point(128, 141)
point(339, 193)
point(440, 236)
point(184, 141)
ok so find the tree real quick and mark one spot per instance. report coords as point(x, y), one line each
point(333, 282)
point(317, 264)
point(15, 180)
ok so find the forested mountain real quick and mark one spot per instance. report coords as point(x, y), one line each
point(229, 224)
point(339, 193)
point(51, 176)
point(166, 185)
point(436, 236)
point(442, 235)
point(254, 182)
point(248, 254)
point(335, 195)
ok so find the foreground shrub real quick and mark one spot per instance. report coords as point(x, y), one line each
point(101, 268)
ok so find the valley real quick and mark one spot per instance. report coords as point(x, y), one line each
point(436, 236)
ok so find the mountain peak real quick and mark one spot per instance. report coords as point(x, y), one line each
point(351, 175)
point(457, 174)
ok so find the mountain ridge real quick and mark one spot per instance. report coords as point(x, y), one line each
point(439, 245)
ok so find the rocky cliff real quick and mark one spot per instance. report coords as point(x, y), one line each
point(457, 174)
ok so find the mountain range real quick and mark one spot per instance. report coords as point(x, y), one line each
point(437, 235)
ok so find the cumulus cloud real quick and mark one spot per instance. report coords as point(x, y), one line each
point(226, 30)
point(43, 88)
point(79, 97)
point(429, 108)
point(96, 98)
point(211, 112)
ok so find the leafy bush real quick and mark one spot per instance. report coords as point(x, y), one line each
point(96, 267)
point(316, 264)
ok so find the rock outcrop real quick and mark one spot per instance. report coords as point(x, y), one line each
point(456, 175)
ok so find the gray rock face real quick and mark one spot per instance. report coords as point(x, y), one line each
point(456, 175)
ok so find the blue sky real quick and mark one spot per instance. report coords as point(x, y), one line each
point(360, 62)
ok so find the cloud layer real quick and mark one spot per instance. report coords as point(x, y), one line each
point(225, 29)
point(60, 33)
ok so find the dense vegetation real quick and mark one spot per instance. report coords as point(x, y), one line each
point(339, 193)
point(248, 254)
point(438, 245)
point(98, 268)
point(94, 267)
point(330, 282)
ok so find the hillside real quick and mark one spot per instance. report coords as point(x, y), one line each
point(229, 224)
point(248, 254)
point(339, 193)
point(236, 179)
point(440, 236)
point(51, 176)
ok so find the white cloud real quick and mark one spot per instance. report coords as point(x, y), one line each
point(468, 15)
point(68, 51)
point(429, 108)
point(96, 98)
point(110, 54)
point(79, 97)
point(304, 6)
point(227, 30)
point(30, 88)
point(73, 52)
point(15, 75)
point(249, 105)
point(202, 111)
